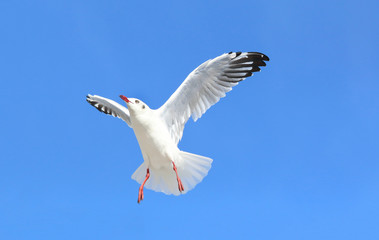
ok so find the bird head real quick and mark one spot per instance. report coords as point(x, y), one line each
point(135, 105)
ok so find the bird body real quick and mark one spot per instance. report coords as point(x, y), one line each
point(153, 137)
point(166, 168)
point(160, 152)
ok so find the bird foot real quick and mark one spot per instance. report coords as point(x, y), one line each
point(180, 184)
point(140, 192)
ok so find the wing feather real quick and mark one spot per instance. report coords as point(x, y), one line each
point(205, 85)
point(110, 107)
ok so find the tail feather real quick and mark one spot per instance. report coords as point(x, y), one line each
point(191, 168)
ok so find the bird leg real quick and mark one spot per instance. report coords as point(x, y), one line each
point(140, 192)
point(180, 185)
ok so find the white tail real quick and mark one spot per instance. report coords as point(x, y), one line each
point(191, 168)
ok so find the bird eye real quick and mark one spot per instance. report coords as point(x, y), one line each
point(136, 101)
point(143, 106)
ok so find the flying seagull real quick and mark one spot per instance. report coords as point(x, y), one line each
point(166, 168)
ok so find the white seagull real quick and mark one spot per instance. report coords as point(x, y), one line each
point(166, 168)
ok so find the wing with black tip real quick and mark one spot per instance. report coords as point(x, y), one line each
point(205, 85)
point(110, 107)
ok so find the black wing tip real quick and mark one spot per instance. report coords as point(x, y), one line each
point(238, 66)
point(236, 54)
point(256, 69)
point(93, 103)
point(264, 57)
point(90, 100)
point(260, 55)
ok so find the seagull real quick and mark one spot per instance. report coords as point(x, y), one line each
point(165, 167)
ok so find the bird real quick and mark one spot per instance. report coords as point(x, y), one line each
point(165, 167)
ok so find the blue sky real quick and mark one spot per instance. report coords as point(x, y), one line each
point(295, 147)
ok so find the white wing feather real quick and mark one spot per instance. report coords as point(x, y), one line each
point(204, 87)
point(110, 107)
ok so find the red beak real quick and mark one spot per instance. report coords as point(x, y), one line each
point(125, 98)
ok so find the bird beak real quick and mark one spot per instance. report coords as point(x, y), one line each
point(125, 99)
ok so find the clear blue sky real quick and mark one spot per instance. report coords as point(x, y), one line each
point(295, 147)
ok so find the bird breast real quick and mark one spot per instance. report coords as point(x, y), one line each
point(157, 147)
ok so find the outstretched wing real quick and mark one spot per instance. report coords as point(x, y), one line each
point(205, 85)
point(110, 107)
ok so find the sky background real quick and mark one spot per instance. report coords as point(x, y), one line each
point(295, 147)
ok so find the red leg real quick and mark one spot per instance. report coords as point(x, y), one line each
point(180, 185)
point(140, 192)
